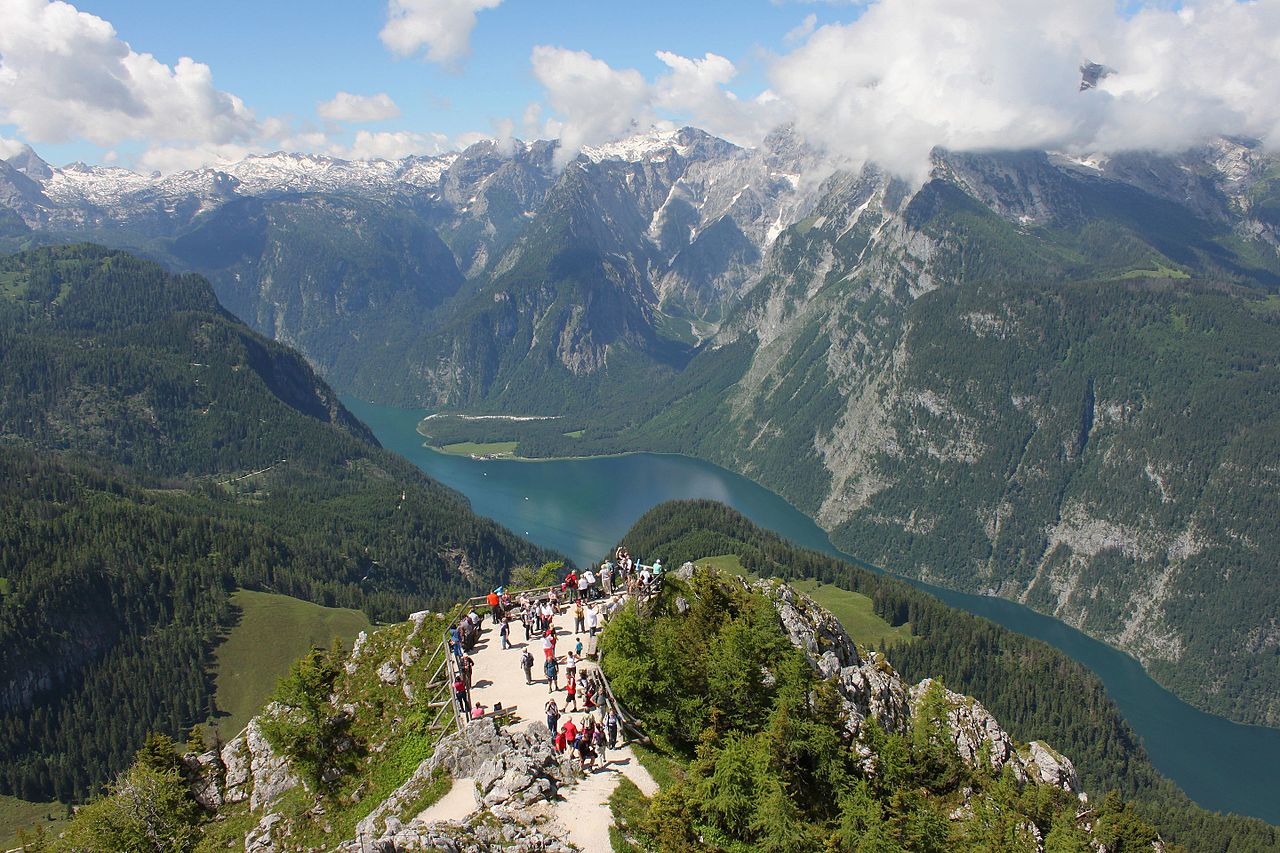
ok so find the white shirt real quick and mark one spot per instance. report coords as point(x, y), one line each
point(593, 618)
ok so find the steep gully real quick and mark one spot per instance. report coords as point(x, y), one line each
point(583, 507)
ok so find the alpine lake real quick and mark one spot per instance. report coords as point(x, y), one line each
point(583, 507)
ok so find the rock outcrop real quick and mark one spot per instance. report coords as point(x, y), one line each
point(870, 687)
point(254, 771)
point(512, 770)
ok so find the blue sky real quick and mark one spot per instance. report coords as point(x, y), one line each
point(285, 57)
point(105, 81)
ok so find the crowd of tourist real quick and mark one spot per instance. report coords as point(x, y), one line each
point(587, 595)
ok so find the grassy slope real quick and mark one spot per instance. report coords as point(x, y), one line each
point(472, 448)
point(273, 632)
point(852, 609)
point(16, 814)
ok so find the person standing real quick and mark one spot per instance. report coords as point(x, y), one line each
point(593, 620)
point(526, 663)
point(552, 670)
point(606, 576)
point(495, 607)
point(578, 626)
point(505, 632)
point(553, 716)
point(460, 694)
point(571, 694)
point(468, 666)
point(611, 727)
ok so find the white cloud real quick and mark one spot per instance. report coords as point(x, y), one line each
point(440, 27)
point(390, 145)
point(359, 108)
point(65, 75)
point(594, 101)
point(695, 92)
point(909, 75)
point(9, 147)
point(803, 31)
point(177, 158)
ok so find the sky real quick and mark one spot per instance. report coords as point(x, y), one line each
point(169, 85)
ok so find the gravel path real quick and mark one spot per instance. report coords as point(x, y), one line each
point(497, 677)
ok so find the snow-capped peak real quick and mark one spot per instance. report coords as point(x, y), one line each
point(643, 146)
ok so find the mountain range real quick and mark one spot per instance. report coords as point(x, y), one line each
point(1048, 377)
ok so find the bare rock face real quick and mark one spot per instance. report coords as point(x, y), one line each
point(259, 839)
point(512, 770)
point(254, 771)
point(1047, 766)
point(206, 773)
point(975, 731)
point(869, 687)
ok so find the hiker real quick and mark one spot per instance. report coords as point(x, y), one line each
point(611, 726)
point(578, 618)
point(455, 640)
point(606, 577)
point(583, 586)
point(577, 649)
point(590, 578)
point(505, 633)
point(547, 645)
point(468, 665)
point(598, 743)
point(526, 663)
point(571, 664)
point(553, 715)
point(586, 747)
point(571, 694)
point(460, 694)
point(495, 605)
point(478, 711)
point(552, 670)
point(570, 583)
point(593, 620)
point(570, 730)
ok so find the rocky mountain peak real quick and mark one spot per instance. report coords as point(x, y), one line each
point(28, 162)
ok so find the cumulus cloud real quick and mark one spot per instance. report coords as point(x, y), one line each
point(9, 147)
point(392, 145)
point(359, 108)
point(65, 74)
point(441, 28)
point(909, 75)
point(594, 102)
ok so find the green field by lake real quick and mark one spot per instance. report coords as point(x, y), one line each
point(493, 449)
point(16, 814)
point(273, 632)
point(853, 609)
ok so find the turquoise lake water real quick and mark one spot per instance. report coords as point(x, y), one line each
point(582, 508)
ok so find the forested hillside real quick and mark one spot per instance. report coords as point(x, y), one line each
point(1034, 690)
point(157, 455)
